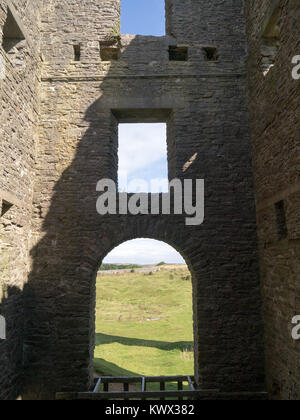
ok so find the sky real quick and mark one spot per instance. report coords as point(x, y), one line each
point(144, 251)
point(142, 155)
point(143, 17)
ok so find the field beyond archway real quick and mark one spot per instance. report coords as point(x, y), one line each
point(144, 322)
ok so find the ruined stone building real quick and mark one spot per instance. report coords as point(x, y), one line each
point(222, 80)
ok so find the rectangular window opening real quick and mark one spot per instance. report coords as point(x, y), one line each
point(142, 156)
point(110, 50)
point(270, 42)
point(178, 53)
point(12, 33)
point(210, 53)
point(143, 17)
point(282, 229)
point(77, 52)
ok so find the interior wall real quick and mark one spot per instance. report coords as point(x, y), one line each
point(74, 151)
point(274, 110)
point(18, 139)
point(77, 149)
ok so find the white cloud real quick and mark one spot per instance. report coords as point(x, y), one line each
point(144, 251)
point(140, 145)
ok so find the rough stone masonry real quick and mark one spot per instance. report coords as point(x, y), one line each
point(70, 78)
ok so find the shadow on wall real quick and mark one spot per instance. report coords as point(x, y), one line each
point(11, 349)
point(60, 294)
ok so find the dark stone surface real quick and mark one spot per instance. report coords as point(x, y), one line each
point(274, 107)
point(59, 138)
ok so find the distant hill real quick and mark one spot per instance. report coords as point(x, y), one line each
point(111, 267)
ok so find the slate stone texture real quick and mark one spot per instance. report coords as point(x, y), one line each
point(61, 104)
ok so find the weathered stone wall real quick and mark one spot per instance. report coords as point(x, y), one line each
point(274, 106)
point(57, 167)
point(209, 23)
point(204, 104)
point(18, 138)
point(71, 22)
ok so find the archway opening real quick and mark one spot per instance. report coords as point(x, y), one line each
point(144, 312)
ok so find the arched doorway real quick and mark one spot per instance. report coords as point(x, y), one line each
point(144, 312)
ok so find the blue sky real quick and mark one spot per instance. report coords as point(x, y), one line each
point(144, 251)
point(143, 17)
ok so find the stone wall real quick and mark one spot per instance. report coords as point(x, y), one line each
point(18, 140)
point(274, 107)
point(83, 23)
point(60, 104)
point(203, 101)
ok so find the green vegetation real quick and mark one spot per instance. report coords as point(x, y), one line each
point(144, 324)
point(116, 31)
point(108, 267)
point(161, 264)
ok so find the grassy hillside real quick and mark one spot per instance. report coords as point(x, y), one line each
point(144, 324)
point(108, 267)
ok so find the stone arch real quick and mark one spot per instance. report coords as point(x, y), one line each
point(70, 238)
point(176, 247)
point(98, 247)
point(168, 242)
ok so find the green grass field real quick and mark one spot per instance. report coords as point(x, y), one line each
point(144, 324)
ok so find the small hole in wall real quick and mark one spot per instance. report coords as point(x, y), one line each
point(281, 220)
point(211, 53)
point(77, 52)
point(110, 51)
point(5, 207)
point(178, 53)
